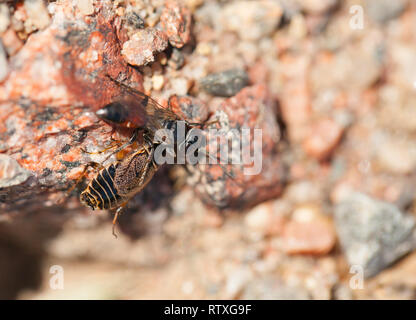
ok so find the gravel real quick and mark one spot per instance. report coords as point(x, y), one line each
point(373, 233)
point(226, 83)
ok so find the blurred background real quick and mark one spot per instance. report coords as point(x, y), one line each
point(332, 83)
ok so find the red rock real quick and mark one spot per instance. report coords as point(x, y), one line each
point(324, 137)
point(176, 23)
point(309, 233)
point(11, 42)
point(70, 66)
point(189, 108)
point(266, 218)
point(55, 82)
point(250, 108)
point(143, 45)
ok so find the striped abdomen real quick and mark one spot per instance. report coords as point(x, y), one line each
point(101, 192)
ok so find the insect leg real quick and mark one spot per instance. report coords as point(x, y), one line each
point(113, 145)
point(200, 124)
point(116, 214)
point(132, 139)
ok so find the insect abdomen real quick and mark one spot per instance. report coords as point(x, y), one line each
point(101, 192)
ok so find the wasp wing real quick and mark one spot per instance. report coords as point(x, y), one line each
point(134, 109)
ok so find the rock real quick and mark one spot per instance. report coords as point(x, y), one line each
point(301, 192)
point(373, 234)
point(323, 139)
point(86, 7)
point(236, 282)
point(226, 83)
point(249, 182)
point(176, 23)
point(181, 86)
point(143, 45)
point(11, 42)
point(309, 232)
point(382, 11)
point(134, 20)
point(158, 81)
point(46, 123)
point(267, 218)
point(190, 108)
point(270, 288)
point(317, 6)
point(252, 20)
point(341, 69)
point(396, 108)
point(395, 154)
point(38, 15)
point(4, 17)
point(4, 66)
point(11, 173)
point(403, 72)
point(177, 59)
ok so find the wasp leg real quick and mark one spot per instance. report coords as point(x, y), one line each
point(116, 214)
point(132, 139)
point(113, 145)
point(200, 124)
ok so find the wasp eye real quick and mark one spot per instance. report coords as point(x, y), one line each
point(113, 112)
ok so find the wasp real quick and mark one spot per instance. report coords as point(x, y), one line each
point(114, 185)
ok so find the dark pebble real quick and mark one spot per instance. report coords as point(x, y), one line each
point(226, 83)
point(134, 20)
point(177, 59)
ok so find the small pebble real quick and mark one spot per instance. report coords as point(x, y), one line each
point(373, 233)
point(382, 11)
point(226, 83)
point(266, 218)
point(177, 59)
point(176, 23)
point(310, 232)
point(4, 17)
point(236, 282)
point(143, 45)
point(323, 139)
point(38, 14)
point(11, 173)
point(317, 6)
point(158, 82)
point(180, 86)
point(252, 20)
point(86, 7)
point(134, 20)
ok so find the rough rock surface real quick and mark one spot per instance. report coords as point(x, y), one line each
point(374, 234)
point(230, 185)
